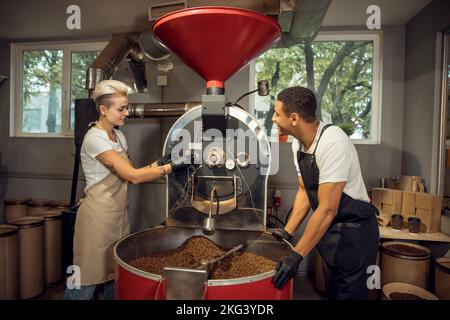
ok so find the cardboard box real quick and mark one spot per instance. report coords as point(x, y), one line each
point(425, 206)
point(393, 183)
point(387, 201)
point(428, 209)
point(409, 183)
point(408, 205)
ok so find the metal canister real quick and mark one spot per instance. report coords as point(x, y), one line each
point(36, 206)
point(31, 252)
point(53, 236)
point(9, 262)
point(15, 208)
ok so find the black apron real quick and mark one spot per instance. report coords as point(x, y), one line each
point(351, 242)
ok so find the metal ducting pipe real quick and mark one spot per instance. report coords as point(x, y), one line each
point(150, 110)
point(104, 66)
point(136, 60)
point(152, 49)
point(300, 20)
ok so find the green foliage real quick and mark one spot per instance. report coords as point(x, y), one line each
point(349, 128)
point(338, 72)
point(42, 72)
point(42, 69)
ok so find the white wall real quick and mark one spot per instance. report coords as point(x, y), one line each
point(420, 83)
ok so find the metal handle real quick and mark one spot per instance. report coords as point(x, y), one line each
point(207, 264)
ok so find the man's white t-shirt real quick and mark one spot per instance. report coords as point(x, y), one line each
point(96, 141)
point(337, 160)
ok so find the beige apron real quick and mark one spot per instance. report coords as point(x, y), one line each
point(102, 220)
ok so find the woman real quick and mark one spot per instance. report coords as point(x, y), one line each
point(102, 218)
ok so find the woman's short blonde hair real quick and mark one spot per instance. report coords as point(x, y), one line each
point(107, 89)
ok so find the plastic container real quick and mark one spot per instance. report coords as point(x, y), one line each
point(59, 205)
point(405, 262)
point(405, 291)
point(31, 252)
point(53, 243)
point(9, 262)
point(15, 208)
point(414, 225)
point(442, 278)
point(35, 207)
point(397, 221)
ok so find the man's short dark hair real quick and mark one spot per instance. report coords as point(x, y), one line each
point(300, 100)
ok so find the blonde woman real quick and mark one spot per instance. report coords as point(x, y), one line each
point(102, 218)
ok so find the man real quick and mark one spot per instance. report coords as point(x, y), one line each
point(343, 224)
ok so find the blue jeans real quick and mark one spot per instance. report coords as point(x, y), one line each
point(87, 292)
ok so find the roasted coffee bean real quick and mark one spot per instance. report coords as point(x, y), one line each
point(193, 250)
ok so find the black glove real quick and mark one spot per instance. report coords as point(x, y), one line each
point(182, 163)
point(286, 269)
point(165, 159)
point(177, 164)
point(281, 234)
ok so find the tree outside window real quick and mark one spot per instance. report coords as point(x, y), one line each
point(340, 73)
point(50, 76)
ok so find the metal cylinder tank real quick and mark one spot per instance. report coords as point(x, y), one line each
point(135, 284)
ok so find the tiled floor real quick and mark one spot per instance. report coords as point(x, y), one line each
point(303, 290)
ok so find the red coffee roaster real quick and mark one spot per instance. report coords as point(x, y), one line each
point(223, 195)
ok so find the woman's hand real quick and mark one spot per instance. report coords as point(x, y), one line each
point(153, 165)
point(114, 161)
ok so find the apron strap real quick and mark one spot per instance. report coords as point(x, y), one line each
point(320, 136)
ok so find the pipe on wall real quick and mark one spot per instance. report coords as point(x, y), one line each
point(300, 20)
point(151, 110)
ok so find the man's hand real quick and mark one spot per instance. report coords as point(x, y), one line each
point(282, 234)
point(286, 269)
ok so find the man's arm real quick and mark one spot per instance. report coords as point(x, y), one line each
point(329, 195)
point(300, 208)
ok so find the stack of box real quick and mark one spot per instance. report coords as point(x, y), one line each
point(387, 201)
point(409, 203)
point(427, 207)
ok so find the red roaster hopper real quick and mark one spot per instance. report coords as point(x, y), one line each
point(217, 42)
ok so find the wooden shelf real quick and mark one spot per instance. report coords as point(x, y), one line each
point(389, 233)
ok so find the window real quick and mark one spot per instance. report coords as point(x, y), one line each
point(343, 70)
point(48, 77)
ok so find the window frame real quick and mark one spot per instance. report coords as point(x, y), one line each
point(377, 39)
point(16, 89)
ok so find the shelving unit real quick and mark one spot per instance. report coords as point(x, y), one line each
point(389, 233)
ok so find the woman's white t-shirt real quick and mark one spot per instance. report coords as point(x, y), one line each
point(337, 160)
point(96, 141)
